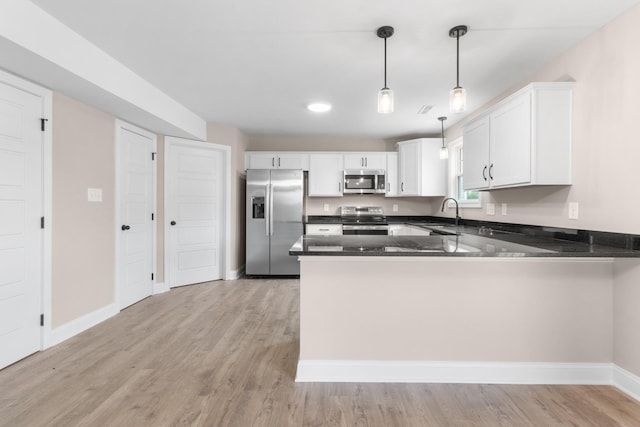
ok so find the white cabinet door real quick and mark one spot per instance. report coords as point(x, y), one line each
point(511, 143)
point(476, 154)
point(391, 184)
point(409, 168)
point(326, 174)
point(292, 160)
point(324, 229)
point(260, 160)
point(376, 161)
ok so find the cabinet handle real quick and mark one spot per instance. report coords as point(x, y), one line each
point(339, 188)
point(388, 187)
point(490, 172)
point(366, 162)
point(278, 161)
point(484, 172)
point(273, 162)
point(402, 187)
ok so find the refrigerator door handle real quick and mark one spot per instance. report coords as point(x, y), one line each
point(268, 209)
point(271, 209)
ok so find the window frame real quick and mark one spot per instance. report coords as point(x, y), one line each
point(454, 148)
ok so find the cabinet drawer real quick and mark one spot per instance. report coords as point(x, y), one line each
point(324, 229)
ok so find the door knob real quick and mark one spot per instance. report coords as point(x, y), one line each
point(125, 227)
point(172, 223)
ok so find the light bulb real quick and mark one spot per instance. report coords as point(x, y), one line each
point(444, 153)
point(457, 100)
point(385, 101)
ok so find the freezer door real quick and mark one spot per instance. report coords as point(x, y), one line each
point(286, 219)
point(257, 226)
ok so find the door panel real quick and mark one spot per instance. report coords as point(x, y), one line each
point(194, 180)
point(257, 231)
point(21, 206)
point(286, 191)
point(136, 205)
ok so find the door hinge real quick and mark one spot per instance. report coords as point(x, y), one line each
point(42, 222)
point(42, 320)
point(151, 276)
point(42, 120)
point(153, 156)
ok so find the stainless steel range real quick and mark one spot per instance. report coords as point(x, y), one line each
point(368, 220)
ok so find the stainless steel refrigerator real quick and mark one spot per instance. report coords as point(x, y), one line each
point(274, 221)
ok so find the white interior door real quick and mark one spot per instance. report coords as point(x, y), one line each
point(194, 174)
point(21, 207)
point(136, 205)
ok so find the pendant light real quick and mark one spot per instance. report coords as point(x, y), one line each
point(458, 95)
point(444, 151)
point(385, 96)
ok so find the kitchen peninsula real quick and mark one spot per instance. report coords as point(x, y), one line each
point(468, 305)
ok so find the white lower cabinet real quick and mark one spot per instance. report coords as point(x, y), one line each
point(326, 174)
point(324, 229)
point(407, 230)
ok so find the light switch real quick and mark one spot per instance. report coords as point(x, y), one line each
point(504, 209)
point(491, 209)
point(395, 208)
point(326, 207)
point(94, 194)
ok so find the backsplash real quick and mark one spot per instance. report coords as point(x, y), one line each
point(406, 205)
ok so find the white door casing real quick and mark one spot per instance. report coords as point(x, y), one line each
point(25, 266)
point(194, 211)
point(135, 213)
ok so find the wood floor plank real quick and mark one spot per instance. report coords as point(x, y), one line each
point(225, 354)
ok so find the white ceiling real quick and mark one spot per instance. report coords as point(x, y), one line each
point(255, 64)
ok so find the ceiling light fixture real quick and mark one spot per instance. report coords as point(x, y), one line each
point(385, 96)
point(444, 151)
point(458, 95)
point(319, 107)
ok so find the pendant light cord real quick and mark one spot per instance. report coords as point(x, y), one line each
point(458, 58)
point(385, 63)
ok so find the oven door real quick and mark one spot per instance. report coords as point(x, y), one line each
point(365, 230)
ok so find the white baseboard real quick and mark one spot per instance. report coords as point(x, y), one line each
point(159, 288)
point(452, 372)
point(627, 382)
point(81, 324)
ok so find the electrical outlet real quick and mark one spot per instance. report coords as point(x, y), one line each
point(94, 194)
point(573, 210)
point(326, 207)
point(504, 209)
point(395, 208)
point(491, 209)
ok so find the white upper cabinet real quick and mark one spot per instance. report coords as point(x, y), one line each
point(421, 171)
point(523, 140)
point(276, 160)
point(365, 161)
point(326, 173)
point(391, 184)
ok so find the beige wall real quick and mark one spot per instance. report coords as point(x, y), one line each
point(83, 237)
point(626, 315)
point(605, 143)
point(227, 135)
point(435, 309)
point(317, 143)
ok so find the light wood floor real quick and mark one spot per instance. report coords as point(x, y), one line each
point(225, 353)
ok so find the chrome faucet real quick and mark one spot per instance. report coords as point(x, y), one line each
point(444, 202)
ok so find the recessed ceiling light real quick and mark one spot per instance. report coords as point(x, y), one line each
point(318, 107)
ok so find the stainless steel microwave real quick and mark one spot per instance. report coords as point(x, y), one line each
point(357, 181)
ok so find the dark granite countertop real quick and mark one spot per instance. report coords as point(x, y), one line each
point(472, 239)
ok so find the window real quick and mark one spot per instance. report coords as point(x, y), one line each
point(467, 199)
